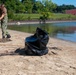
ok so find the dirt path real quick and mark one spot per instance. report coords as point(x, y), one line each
point(61, 59)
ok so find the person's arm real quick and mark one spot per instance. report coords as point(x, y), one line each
point(2, 16)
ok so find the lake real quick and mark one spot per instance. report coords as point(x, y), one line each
point(61, 30)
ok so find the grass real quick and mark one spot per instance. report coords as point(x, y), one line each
point(63, 17)
point(54, 16)
point(26, 16)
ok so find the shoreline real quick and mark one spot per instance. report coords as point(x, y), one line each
point(64, 40)
point(37, 22)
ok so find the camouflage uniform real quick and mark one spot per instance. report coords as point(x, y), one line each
point(4, 22)
point(4, 26)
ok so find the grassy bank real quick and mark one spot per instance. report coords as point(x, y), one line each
point(53, 16)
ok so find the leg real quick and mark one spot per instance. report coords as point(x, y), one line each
point(4, 27)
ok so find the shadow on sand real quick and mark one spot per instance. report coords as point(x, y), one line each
point(22, 52)
point(16, 52)
point(5, 40)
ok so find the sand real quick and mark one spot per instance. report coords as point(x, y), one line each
point(60, 60)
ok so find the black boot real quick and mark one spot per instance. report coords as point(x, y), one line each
point(3, 37)
point(8, 36)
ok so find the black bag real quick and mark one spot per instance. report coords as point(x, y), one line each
point(36, 44)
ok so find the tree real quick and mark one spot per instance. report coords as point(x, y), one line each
point(27, 0)
point(11, 5)
point(49, 5)
point(37, 7)
point(64, 7)
point(19, 7)
point(28, 5)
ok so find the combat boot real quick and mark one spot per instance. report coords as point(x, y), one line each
point(8, 36)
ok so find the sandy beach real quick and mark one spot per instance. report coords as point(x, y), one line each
point(60, 60)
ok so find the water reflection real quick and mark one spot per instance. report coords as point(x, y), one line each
point(69, 37)
point(64, 30)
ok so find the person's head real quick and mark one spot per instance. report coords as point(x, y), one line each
point(2, 5)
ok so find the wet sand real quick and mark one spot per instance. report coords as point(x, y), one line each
point(60, 60)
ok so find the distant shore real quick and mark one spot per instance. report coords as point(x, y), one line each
point(37, 22)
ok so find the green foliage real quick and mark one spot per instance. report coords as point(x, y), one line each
point(61, 16)
point(33, 6)
point(48, 15)
point(37, 7)
point(28, 6)
point(11, 5)
point(25, 17)
point(11, 14)
point(45, 15)
point(29, 18)
point(19, 7)
point(62, 8)
point(49, 5)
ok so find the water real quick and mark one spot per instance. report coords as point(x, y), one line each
point(62, 30)
point(69, 31)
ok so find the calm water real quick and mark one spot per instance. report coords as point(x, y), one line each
point(62, 30)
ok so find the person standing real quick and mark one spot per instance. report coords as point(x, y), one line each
point(4, 20)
